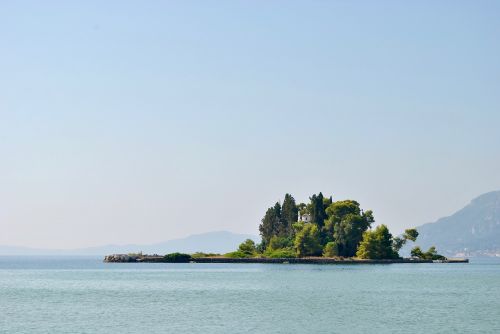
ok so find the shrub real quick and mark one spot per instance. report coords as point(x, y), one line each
point(201, 254)
point(307, 241)
point(281, 253)
point(247, 247)
point(237, 255)
point(280, 242)
point(260, 247)
point(177, 258)
point(431, 254)
point(417, 252)
point(331, 249)
point(377, 244)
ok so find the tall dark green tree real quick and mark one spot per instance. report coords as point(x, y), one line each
point(289, 214)
point(317, 210)
point(271, 224)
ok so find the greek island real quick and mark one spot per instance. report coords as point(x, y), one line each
point(322, 231)
point(270, 167)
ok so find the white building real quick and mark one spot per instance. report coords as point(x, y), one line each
point(306, 218)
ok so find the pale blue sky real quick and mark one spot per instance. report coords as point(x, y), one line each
point(141, 121)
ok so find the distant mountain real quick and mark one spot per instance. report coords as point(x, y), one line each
point(211, 242)
point(474, 230)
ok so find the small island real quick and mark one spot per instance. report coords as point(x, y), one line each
point(322, 231)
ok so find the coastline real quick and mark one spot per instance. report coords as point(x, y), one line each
point(123, 258)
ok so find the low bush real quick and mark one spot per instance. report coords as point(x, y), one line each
point(281, 253)
point(331, 249)
point(237, 255)
point(177, 258)
point(201, 254)
point(431, 254)
point(248, 248)
point(280, 243)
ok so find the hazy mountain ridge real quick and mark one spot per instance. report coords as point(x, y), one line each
point(473, 230)
point(214, 242)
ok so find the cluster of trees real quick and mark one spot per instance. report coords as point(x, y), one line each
point(431, 254)
point(335, 229)
point(379, 243)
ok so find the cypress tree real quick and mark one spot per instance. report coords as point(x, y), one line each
point(318, 214)
point(271, 223)
point(289, 214)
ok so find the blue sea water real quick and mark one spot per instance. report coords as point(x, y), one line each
point(83, 295)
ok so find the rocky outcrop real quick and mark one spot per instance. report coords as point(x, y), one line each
point(120, 258)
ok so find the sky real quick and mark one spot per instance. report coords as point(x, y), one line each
point(143, 121)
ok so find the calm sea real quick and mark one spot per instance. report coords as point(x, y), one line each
point(84, 295)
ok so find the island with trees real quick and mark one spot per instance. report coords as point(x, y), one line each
point(321, 231)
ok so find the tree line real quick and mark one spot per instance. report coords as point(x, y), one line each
point(332, 229)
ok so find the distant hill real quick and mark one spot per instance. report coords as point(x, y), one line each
point(213, 242)
point(474, 230)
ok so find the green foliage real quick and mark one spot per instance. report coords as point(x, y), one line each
point(331, 249)
point(345, 225)
point(302, 208)
point(398, 243)
point(431, 254)
point(317, 210)
point(278, 220)
point(280, 242)
point(377, 244)
point(248, 247)
point(281, 253)
point(341, 208)
point(417, 252)
point(237, 255)
point(270, 224)
point(260, 248)
point(297, 227)
point(307, 241)
point(409, 234)
point(336, 229)
point(201, 254)
point(327, 202)
point(289, 215)
point(177, 258)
